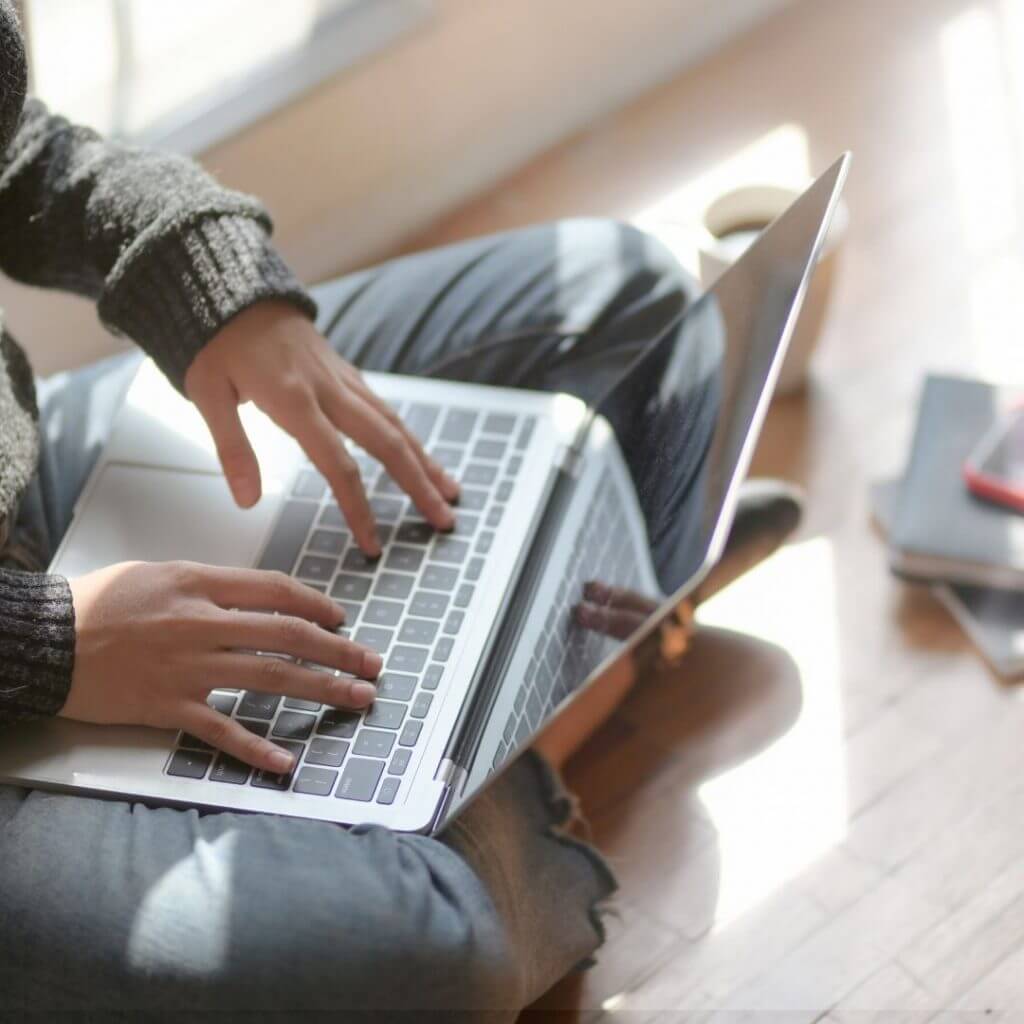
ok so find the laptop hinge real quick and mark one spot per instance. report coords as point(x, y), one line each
point(569, 461)
point(453, 775)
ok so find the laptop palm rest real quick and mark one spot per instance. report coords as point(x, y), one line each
point(156, 514)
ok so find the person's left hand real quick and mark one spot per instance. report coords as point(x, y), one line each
point(271, 354)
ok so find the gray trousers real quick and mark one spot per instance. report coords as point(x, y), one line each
point(114, 910)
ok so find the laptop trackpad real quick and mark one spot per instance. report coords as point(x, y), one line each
point(153, 514)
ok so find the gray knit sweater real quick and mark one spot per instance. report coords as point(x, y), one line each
point(169, 257)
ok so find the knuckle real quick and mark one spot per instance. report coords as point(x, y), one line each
point(271, 671)
point(292, 631)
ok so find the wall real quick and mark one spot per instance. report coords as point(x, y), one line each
point(382, 150)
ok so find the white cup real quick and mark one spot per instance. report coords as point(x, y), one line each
point(731, 222)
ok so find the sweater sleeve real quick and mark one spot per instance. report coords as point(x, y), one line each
point(168, 254)
point(37, 644)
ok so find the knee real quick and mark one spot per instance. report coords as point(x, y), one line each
point(622, 263)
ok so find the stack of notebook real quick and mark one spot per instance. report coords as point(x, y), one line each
point(969, 550)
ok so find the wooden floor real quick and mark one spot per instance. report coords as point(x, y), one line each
point(822, 816)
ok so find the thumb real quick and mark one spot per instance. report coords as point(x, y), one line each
point(218, 405)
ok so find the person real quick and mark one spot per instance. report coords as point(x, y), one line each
point(111, 908)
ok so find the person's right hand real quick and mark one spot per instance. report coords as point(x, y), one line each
point(153, 639)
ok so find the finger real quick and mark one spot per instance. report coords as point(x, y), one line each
point(370, 429)
point(283, 634)
point(305, 421)
point(272, 591)
point(618, 623)
point(443, 481)
point(233, 738)
point(217, 402)
point(304, 682)
point(617, 597)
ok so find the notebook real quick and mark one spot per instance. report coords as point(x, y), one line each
point(940, 531)
point(993, 619)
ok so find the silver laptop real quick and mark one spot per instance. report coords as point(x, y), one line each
point(625, 504)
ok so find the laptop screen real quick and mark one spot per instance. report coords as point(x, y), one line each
point(655, 497)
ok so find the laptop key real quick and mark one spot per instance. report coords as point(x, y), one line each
point(486, 448)
point(230, 769)
point(510, 729)
point(356, 561)
point(388, 509)
point(432, 677)
point(293, 725)
point(446, 456)
point(421, 705)
point(258, 705)
point(383, 613)
point(411, 733)
point(378, 640)
point(504, 491)
point(388, 790)
point(494, 515)
point(474, 568)
point(289, 535)
point(315, 781)
point(404, 559)
point(332, 517)
point(393, 584)
point(407, 659)
point(418, 631)
point(399, 761)
point(388, 485)
point(513, 465)
point(411, 532)
point(499, 423)
point(338, 724)
point(329, 753)
point(328, 542)
point(458, 425)
point(374, 743)
point(189, 764)
point(386, 714)
point(222, 702)
point(428, 604)
point(471, 499)
point(454, 622)
point(443, 648)
point(439, 577)
point(309, 484)
point(465, 524)
point(359, 779)
point(259, 728)
point(526, 432)
point(318, 568)
point(464, 595)
point(186, 739)
point(479, 474)
point(300, 705)
point(421, 419)
point(351, 588)
point(272, 780)
point(396, 686)
point(484, 542)
point(352, 610)
point(448, 549)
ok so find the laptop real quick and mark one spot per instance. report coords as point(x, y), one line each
point(627, 502)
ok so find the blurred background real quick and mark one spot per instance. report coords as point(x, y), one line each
point(820, 816)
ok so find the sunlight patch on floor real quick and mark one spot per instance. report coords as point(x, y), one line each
point(779, 811)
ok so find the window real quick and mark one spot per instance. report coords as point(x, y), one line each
point(185, 73)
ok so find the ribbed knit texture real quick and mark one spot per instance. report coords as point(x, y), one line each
point(37, 644)
point(168, 255)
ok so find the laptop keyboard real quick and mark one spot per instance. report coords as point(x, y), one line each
point(410, 605)
point(566, 653)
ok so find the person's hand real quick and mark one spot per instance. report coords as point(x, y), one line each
point(612, 611)
point(270, 354)
point(153, 639)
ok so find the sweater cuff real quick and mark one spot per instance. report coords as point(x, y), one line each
point(173, 298)
point(37, 644)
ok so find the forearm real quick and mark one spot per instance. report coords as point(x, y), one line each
point(168, 254)
point(37, 644)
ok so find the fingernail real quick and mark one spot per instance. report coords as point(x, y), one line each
point(372, 664)
point(363, 693)
point(447, 520)
point(281, 762)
